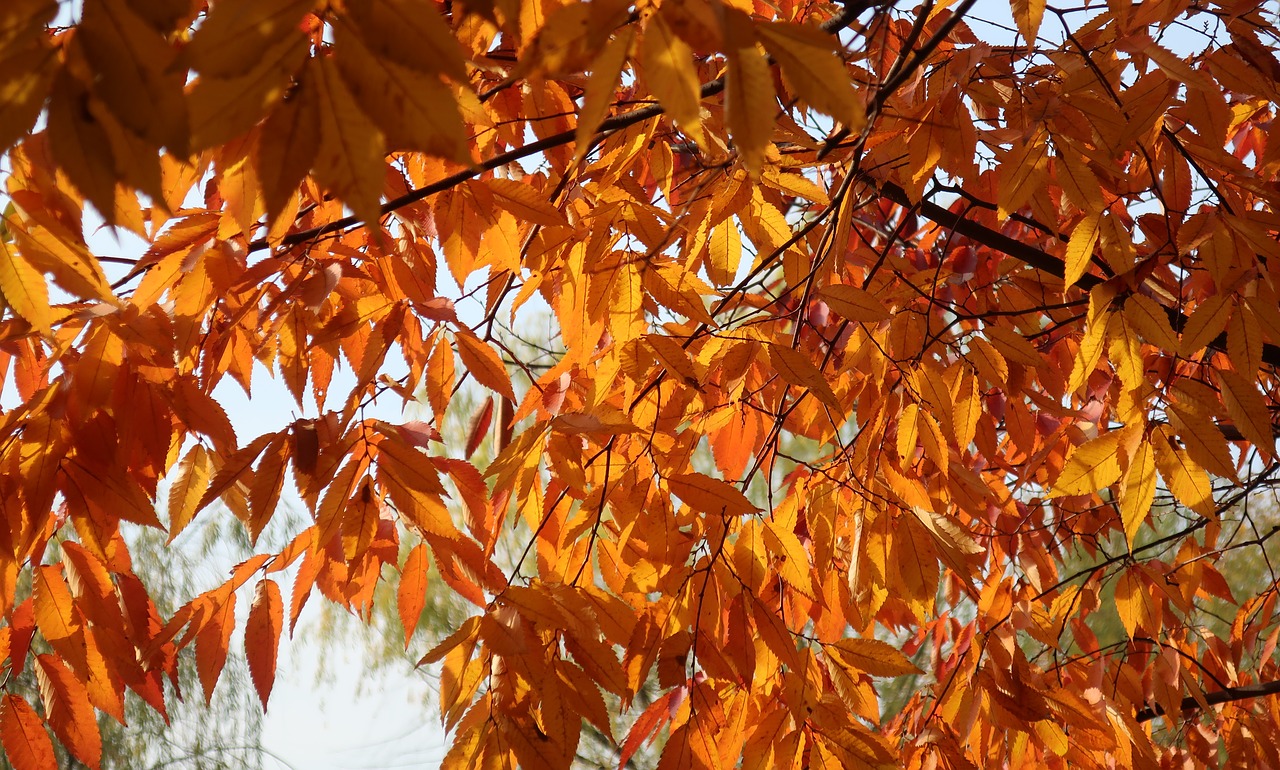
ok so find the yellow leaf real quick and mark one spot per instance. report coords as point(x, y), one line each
point(349, 162)
point(25, 290)
point(1028, 14)
point(1134, 604)
point(908, 433)
point(224, 108)
point(674, 357)
point(989, 362)
point(1248, 409)
point(873, 657)
point(1151, 321)
point(1138, 490)
point(415, 110)
point(809, 62)
point(524, 202)
point(955, 544)
point(1095, 338)
point(1207, 321)
point(1078, 181)
point(81, 146)
point(1203, 440)
point(1244, 340)
point(187, 488)
point(410, 33)
point(853, 303)
point(668, 70)
point(26, 75)
point(53, 248)
point(1021, 171)
point(724, 252)
point(484, 364)
point(1188, 482)
point(1093, 465)
point(703, 493)
point(1013, 346)
point(233, 36)
point(606, 71)
point(784, 544)
point(750, 102)
point(796, 368)
point(1080, 248)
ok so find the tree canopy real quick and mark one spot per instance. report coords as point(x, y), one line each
point(860, 385)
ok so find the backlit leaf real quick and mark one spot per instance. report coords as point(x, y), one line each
point(262, 637)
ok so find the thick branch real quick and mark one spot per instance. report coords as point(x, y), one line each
point(1214, 698)
point(1036, 257)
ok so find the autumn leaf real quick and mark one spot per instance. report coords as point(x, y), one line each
point(483, 363)
point(24, 289)
point(26, 744)
point(749, 96)
point(667, 64)
point(262, 637)
point(1093, 465)
point(411, 596)
point(349, 158)
point(809, 62)
point(67, 710)
point(711, 495)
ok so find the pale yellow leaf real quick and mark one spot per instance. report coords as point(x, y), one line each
point(1080, 248)
point(1138, 490)
point(25, 290)
point(1093, 465)
point(853, 303)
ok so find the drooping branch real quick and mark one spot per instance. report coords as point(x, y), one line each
point(1215, 698)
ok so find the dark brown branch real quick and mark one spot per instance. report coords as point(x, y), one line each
point(1215, 698)
point(1035, 257)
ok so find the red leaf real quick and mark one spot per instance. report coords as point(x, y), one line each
point(480, 422)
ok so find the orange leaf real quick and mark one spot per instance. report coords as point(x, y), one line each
point(873, 656)
point(710, 495)
point(26, 744)
point(484, 364)
point(212, 642)
point(262, 637)
point(411, 595)
point(67, 710)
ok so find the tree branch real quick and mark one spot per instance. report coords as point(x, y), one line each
point(1228, 695)
point(1034, 257)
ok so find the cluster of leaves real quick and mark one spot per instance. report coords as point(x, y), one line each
point(947, 314)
